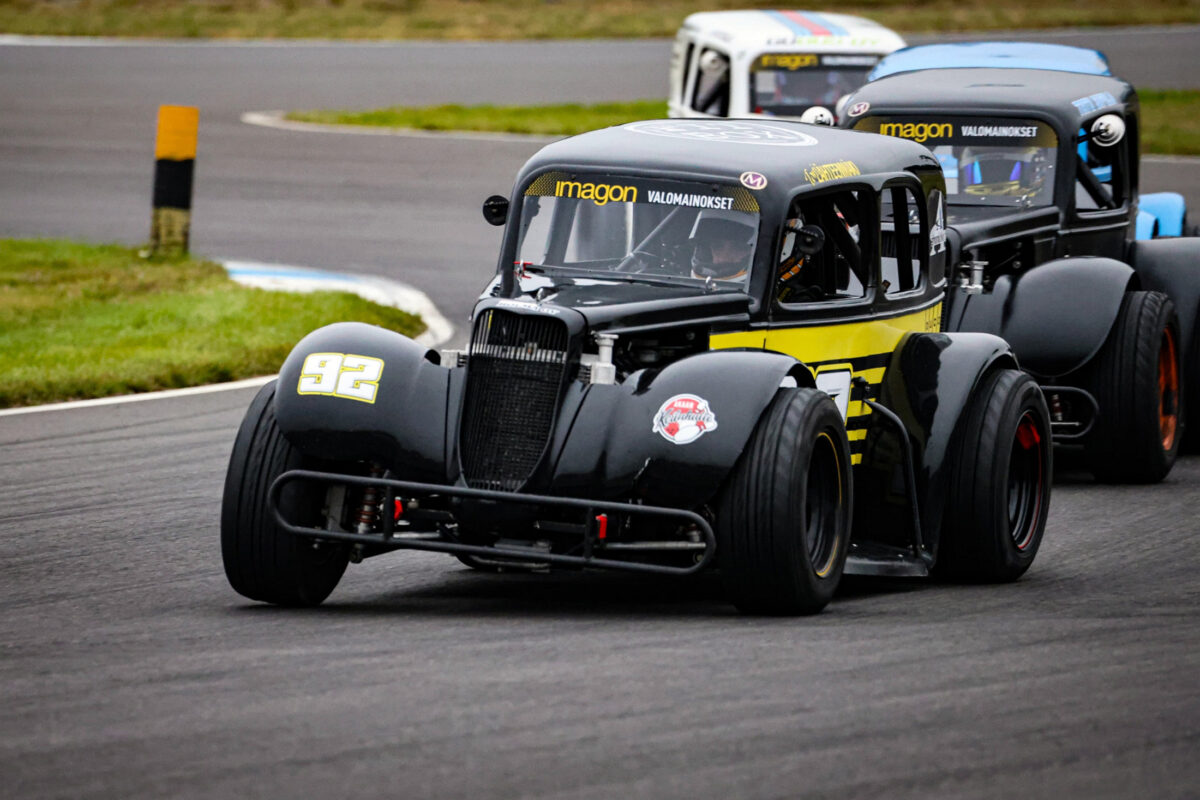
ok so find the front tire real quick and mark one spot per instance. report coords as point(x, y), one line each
point(1000, 486)
point(1136, 380)
point(783, 518)
point(263, 562)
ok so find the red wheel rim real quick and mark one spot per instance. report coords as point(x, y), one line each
point(1026, 482)
point(1168, 390)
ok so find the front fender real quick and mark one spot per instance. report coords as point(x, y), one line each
point(612, 449)
point(1055, 316)
point(403, 427)
point(929, 384)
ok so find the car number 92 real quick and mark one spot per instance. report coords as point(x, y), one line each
point(341, 375)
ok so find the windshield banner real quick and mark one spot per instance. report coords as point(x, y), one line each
point(932, 132)
point(605, 189)
point(792, 62)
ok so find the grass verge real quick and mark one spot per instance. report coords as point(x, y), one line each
point(1170, 118)
point(1170, 121)
point(529, 19)
point(81, 320)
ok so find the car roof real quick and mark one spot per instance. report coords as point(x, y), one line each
point(811, 29)
point(1003, 55)
point(1069, 98)
point(788, 154)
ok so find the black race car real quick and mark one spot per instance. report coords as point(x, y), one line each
point(1043, 219)
point(708, 344)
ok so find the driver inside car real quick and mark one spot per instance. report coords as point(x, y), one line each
point(1011, 171)
point(722, 245)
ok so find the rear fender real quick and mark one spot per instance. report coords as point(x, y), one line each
point(1172, 266)
point(929, 384)
point(1056, 315)
point(612, 447)
point(402, 424)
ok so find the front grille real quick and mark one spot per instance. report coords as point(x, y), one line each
point(515, 369)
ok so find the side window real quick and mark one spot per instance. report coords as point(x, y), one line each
point(822, 256)
point(711, 93)
point(1100, 176)
point(903, 239)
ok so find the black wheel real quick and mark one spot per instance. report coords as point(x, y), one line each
point(783, 517)
point(1136, 381)
point(999, 493)
point(263, 562)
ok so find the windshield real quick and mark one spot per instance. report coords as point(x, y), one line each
point(986, 161)
point(789, 83)
point(656, 230)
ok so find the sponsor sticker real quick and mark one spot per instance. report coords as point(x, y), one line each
point(599, 193)
point(1094, 102)
point(917, 131)
point(725, 131)
point(684, 418)
point(821, 173)
point(689, 200)
point(753, 180)
point(788, 61)
point(1007, 131)
point(859, 108)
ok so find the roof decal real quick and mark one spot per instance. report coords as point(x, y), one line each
point(797, 23)
point(835, 29)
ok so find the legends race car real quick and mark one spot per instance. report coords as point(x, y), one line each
point(774, 63)
point(1041, 170)
point(1160, 214)
point(708, 344)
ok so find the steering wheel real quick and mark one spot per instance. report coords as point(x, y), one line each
point(638, 261)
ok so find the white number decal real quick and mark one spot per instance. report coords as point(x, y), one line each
point(341, 375)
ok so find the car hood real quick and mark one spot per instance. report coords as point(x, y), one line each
point(620, 305)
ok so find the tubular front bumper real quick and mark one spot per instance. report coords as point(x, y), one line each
point(389, 539)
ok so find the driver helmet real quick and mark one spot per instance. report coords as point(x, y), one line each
point(992, 171)
point(722, 244)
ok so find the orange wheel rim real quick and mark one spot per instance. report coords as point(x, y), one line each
point(1168, 390)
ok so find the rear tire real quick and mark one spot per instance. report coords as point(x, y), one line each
point(1000, 487)
point(783, 518)
point(262, 561)
point(1137, 382)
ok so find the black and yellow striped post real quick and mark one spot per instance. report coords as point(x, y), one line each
point(174, 162)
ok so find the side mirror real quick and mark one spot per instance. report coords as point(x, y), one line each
point(810, 239)
point(495, 209)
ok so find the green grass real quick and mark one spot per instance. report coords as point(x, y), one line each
point(81, 320)
point(1170, 119)
point(529, 19)
point(561, 119)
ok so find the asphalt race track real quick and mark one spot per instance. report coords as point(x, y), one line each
point(128, 668)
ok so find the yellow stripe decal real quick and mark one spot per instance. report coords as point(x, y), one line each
point(177, 127)
point(830, 344)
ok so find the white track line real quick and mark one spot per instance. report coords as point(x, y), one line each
point(137, 398)
point(282, 277)
point(274, 119)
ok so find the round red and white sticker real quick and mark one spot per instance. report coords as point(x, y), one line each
point(684, 418)
point(858, 109)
